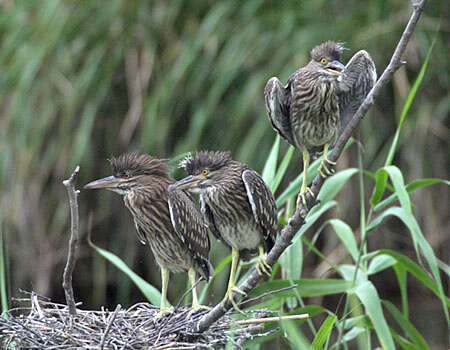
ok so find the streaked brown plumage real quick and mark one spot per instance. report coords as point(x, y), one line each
point(318, 100)
point(169, 222)
point(237, 205)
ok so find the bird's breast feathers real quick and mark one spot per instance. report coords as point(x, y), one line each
point(315, 115)
point(244, 235)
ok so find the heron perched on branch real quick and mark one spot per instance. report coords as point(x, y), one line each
point(317, 101)
point(237, 205)
point(169, 222)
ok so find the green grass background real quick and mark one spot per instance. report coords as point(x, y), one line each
point(81, 81)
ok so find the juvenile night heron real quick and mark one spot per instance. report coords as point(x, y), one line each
point(237, 205)
point(169, 222)
point(317, 101)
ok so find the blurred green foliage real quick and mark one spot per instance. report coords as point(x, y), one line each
point(81, 81)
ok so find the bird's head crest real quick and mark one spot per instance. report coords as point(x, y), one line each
point(204, 159)
point(330, 50)
point(138, 164)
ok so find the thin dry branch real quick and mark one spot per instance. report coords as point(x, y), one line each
point(272, 319)
point(74, 235)
point(259, 297)
point(298, 219)
point(108, 327)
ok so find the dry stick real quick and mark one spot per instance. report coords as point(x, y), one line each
point(74, 234)
point(249, 329)
point(298, 219)
point(186, 293)
point(267, 294)
point(272, 319)
point(35, 303)
point(108, 327)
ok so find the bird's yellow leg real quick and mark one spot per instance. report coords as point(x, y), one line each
point(165, 281)
point(323, 169)
point(231, 286)
point(304, 188)
point(262, 266)
point(195, 304)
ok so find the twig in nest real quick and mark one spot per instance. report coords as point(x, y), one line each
point(35, 303)
point(108, 327)
point(74, 234)
point(238, 344)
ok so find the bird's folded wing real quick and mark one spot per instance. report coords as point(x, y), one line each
point(189, 226)
point(263, 205)
point(278, 101)
point(210, 222)
point(355, 83)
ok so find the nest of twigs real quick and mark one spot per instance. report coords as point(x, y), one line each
point(44, 324)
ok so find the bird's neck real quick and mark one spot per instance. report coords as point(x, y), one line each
point(328, 79)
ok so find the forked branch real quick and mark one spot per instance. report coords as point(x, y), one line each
point(74, 235)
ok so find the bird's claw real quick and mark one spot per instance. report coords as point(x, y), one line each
point(196, 308)
point(263, 268)
point(163, 312)
point(237, 290)
point(302, 197)
point(229, 296)
point(326, 171)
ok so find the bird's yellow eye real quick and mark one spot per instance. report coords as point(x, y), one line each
point(323, 61)
point(126, 176)
point(205, 172)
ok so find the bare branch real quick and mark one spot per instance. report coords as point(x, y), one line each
point(267, 294)
point(108, 327)
point(74, 235)
point(272, 319)
point(249, 329)
point(298, 219)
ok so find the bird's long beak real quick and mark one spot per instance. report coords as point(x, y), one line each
point(186, 183)
point(335, 66)
point(106, 182)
